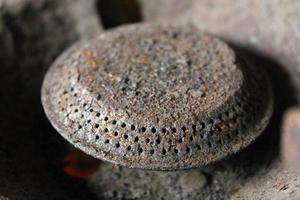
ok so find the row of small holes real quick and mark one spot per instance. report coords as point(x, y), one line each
point(143, 129)
point(153, 130)
point(164, 150)
point(163, 130)
point(152, 151)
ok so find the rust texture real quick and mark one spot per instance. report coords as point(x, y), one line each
point(157, 97)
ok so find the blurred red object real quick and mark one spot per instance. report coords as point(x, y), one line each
point(80, 165)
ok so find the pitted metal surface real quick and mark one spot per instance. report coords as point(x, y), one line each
point(157, 97)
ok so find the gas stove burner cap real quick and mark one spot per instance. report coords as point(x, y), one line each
point(157, 97)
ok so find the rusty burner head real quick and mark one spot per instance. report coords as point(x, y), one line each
point(156, 97)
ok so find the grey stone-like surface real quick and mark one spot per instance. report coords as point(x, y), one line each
point(275, 183)
point(32, 34)
point(115, 182)
point(237, 178)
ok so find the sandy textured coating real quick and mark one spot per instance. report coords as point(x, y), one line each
point(156, 97)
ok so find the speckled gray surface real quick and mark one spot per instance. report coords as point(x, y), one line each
point(244, 176)
point(116, 182)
